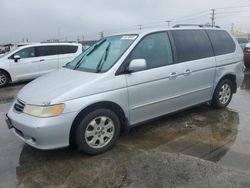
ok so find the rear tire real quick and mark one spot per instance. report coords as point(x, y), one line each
point(222, 94)
point(97, 131)
point(4, 78)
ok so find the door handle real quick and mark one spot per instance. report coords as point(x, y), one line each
point(173, 75)
point(42, 60)
point(187, 72)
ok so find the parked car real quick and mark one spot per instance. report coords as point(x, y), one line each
point(32, 61)
point(242, 42)
point(123, 81)
point(247, 55)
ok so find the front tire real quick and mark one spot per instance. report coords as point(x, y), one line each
point(4, 78)
point(222, 94)
point(97, 131)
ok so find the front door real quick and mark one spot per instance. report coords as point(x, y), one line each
point(153, 92)
point(27, 67)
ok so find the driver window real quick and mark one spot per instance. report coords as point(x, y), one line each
point(26, 53)
point(155, 49)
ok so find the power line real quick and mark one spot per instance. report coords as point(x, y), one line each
point(231, 12)
point(234, 7)
point(202, 16)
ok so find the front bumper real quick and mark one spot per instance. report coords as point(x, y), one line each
point(41, 133)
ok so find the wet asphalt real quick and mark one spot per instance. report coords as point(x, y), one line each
point(199, 147)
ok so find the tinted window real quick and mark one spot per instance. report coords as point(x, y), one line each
point(222, 42)
point(67, 49)
point(155, 49)
point(242, 40)
point(25, 53)
point(46, 50)
point(191, 45)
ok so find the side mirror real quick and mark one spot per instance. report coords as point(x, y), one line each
point(137, 65)
point(16, 58)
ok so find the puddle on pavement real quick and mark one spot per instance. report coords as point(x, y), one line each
point(202, 132)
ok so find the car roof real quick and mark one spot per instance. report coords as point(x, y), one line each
point(152, 30)
point(50, 44)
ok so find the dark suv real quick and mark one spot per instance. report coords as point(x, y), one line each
point(247, 55)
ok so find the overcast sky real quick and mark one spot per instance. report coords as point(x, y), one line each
point(46, 19)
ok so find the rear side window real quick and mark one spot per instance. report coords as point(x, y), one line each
point(46, 50)
point(221, 41)
point(191, 45)
point(67, 49)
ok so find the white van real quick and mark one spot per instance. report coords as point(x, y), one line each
point(32, 61)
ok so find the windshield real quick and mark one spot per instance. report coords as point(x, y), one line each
point(103, 55)
point(7, 53)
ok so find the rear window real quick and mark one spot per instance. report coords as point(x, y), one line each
point(45, 50)
point(222, 42)
point(67, 49)
point(191, 45)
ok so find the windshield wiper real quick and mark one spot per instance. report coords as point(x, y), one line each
point(103, 59)
point(81, 61)
point(96, 46)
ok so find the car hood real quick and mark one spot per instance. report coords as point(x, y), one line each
point(58, 86)
point(248, 45)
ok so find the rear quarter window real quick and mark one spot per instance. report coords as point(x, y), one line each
point(67, 49)
point(222, 42)
point(191, 45)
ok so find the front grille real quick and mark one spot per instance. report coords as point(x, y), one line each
point(19, 106)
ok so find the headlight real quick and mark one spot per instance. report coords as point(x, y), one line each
point(43, 111)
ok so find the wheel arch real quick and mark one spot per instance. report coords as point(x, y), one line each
point(232, 78)
point(6, 73)
point(105, 104)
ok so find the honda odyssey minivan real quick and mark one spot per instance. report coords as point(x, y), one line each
point(124, 80)
point(31, 61)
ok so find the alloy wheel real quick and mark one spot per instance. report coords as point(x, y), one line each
point(3, 79)
point(225, 93)
point(99, 132)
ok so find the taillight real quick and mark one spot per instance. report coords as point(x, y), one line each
point(246, 53)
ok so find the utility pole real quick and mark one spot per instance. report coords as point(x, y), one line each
point(232, 28)
point(101, 34)
point(82, 37)
point(140, 27)
point(78, 39)
point(168, 22)
point(213, 17)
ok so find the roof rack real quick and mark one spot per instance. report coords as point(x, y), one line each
point(199, 25)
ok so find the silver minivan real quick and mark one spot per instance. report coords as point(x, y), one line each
point(124, 80)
